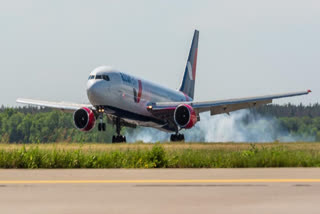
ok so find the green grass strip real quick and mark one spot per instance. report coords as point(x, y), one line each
point(160, 155)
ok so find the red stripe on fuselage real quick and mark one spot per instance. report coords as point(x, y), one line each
point(140, 91)
point(194, 64)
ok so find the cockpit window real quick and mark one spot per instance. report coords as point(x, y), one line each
point(106, 77)
point(99, 77)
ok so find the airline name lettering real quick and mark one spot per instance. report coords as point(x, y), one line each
point(128, 79)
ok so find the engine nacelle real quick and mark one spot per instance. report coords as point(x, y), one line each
point(84, 119)
point(185, 116)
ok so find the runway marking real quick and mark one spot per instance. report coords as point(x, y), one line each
point(160, 181)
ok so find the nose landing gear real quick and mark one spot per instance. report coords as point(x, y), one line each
point(101, 125)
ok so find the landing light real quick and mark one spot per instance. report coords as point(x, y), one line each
point(149, 107)
point(100, 110)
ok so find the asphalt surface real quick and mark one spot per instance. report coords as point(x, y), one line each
point(160, 191)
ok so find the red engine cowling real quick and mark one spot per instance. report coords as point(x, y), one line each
point(185, 116)
point(84, 119)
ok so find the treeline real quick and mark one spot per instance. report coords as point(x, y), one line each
point(26, 109)
point(302, 128)
point(35, 125)
point(302, 122)
point(289, 110)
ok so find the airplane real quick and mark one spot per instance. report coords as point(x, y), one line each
point(130, 101)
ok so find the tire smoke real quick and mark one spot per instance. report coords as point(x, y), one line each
point(240, 126)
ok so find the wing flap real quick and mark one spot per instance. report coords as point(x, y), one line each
point(234, 107)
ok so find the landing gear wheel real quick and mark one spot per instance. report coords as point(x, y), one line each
point(177, 137)
point(119, 139)
point(101, 127)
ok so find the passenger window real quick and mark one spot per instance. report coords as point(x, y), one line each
point(106, 77)
point(98, 77)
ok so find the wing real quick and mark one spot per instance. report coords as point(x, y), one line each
point(166, 109)
point(64, 106)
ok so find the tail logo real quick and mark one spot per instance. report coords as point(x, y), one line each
point(189, 67)
point(137, 96)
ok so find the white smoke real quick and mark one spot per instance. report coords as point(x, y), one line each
point(240, 126)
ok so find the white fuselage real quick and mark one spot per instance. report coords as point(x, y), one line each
point(127, 95)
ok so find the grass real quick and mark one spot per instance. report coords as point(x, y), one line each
point(166, 155)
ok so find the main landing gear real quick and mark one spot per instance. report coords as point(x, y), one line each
point(118, 138)
point(177, 137)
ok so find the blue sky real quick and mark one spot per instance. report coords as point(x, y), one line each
point(246, 48)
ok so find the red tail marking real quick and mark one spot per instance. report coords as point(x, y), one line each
point(140, 91)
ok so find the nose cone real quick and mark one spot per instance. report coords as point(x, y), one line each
point(96, 91)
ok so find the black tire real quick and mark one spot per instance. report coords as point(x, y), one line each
point(118, 139)
point(103, 127)
point(176, 137)
point(173, 138)
point(99, 127)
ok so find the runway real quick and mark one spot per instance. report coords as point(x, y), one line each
point(281, 190)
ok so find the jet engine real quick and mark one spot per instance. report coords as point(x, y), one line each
point(185, 116)
point(84, 119)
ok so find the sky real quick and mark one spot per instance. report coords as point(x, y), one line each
point(246, 48)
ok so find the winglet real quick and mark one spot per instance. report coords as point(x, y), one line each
point(309, 91)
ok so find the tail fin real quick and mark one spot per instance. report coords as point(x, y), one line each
point(189, 77)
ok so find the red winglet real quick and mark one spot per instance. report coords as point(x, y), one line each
point(309, 91)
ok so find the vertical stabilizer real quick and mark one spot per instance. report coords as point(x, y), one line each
point(189, 77)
